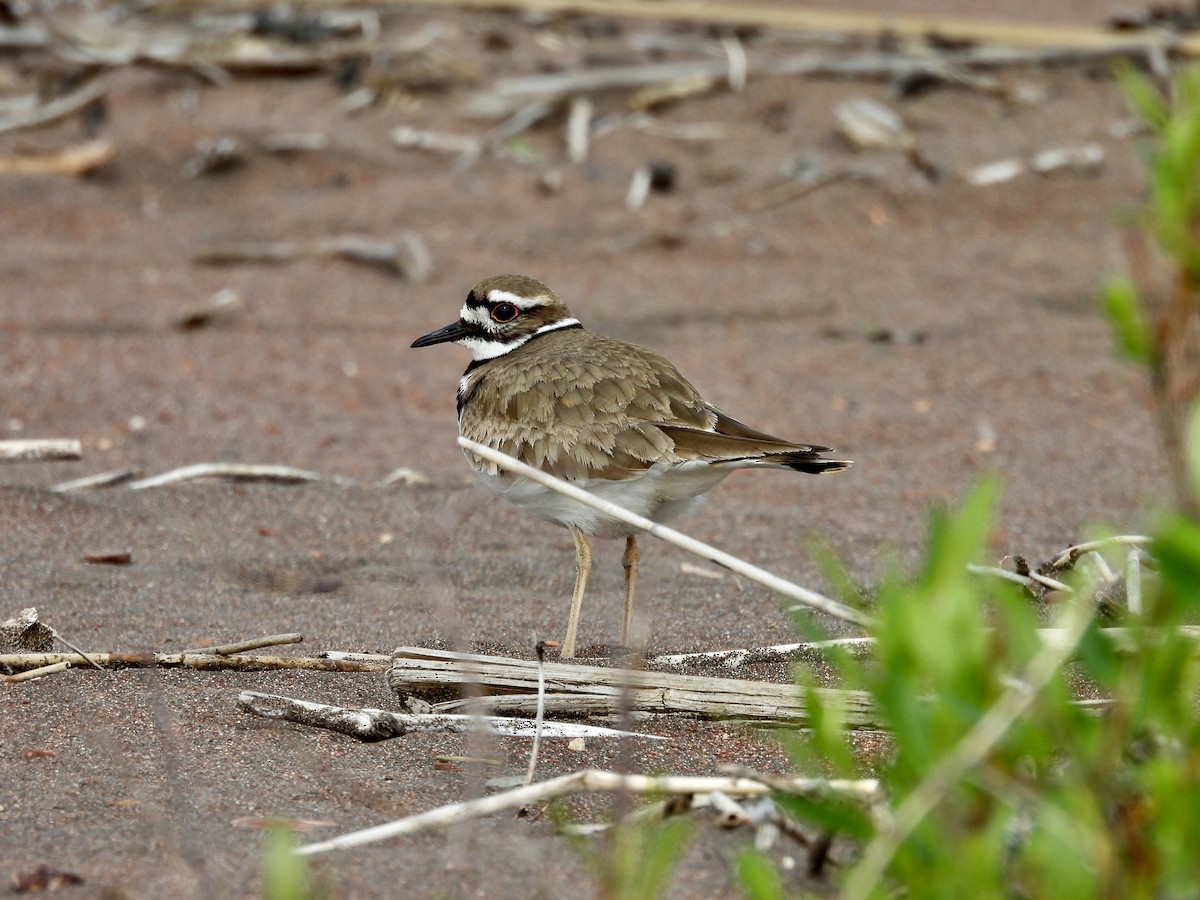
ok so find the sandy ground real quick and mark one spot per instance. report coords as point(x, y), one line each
point(931, 330)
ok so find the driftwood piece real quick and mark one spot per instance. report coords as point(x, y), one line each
point(865, 791)
point(381, 724)
point(592, 689)
point(48, 450)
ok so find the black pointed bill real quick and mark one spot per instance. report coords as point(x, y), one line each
point(455, 331)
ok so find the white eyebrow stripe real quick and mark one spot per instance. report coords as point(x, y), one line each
point(554, 326)
point(495, 295)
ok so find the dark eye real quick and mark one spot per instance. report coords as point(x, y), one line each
point(504, 312)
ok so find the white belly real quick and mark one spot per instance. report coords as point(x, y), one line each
point(660, 493)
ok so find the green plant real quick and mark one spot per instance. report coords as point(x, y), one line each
point(1163, 332)
point(285, 876)
point(1001, 783)
point(633, 859)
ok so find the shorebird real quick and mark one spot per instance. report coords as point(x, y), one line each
point(613, 418)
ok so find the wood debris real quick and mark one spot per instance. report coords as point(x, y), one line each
point(1082, 158)
point(40, 450)
point(407, 256)
point(223, 307)
point(228, 471)
point(96, 41)
point(76, 160)
point(109, 557)
point(215, 155)
point(53, 110)
point(593, 690)
point(381, 724)
point(202, 661)
point(864, 791)
point(99, 480)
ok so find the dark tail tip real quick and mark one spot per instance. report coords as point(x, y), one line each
point(814, 464)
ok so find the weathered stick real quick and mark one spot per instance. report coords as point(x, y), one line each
point(76, 160)
point(591, 689)
point(31, 674)
point(394, 256)
point(1122, 640)
point(670, 535)
point(201, 661)
point(231, 471)
point(794, 18)
point(270, 640)
point(100, 480)
point(739, 657)
point(48, 450)
point(588, 781)
point(381, 724)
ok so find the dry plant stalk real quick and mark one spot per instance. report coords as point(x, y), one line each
point(866, 791)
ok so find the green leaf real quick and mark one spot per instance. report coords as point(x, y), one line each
point(1147, 103)
point(1191, 449)
point(757, 877)
point(1177, 549)
point(1099, 657)
point(284, 875)
point(831, 813)
point(1121, 305)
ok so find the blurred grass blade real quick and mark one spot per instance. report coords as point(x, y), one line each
point(1120, 303)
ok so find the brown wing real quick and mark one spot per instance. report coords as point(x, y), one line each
point(751, 449)
point(583, 408)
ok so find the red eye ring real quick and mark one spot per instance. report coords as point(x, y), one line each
point(504, 312)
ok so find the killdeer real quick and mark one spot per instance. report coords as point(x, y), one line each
point(614, 418)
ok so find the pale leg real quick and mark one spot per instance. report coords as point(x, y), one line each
point(630, 561)
point(583, 565)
